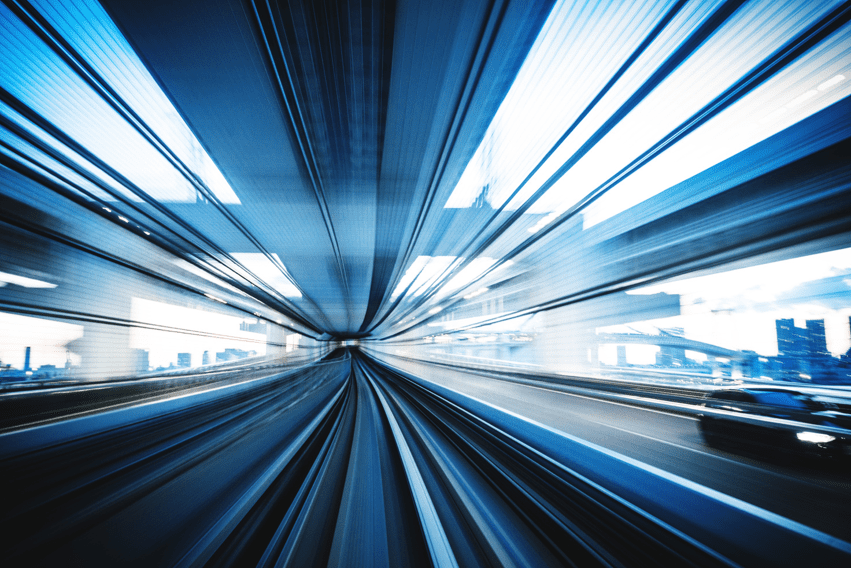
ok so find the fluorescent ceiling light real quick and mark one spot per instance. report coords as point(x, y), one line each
point(268, 272)
point(42, 80)
point(6, 278)
point(422, 274)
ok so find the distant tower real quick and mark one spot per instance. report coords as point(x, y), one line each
point(205, 360)
point(184, 359)
point(817, 343)
point(786, 337)
point(27, 361)
point(621, 355)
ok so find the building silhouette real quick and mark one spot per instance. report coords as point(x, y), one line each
point(801, 350)
point(233, 355)
point(140, 361)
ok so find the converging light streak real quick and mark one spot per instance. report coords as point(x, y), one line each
point(33, 73)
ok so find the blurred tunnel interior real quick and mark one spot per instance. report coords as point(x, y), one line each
point(425, 282)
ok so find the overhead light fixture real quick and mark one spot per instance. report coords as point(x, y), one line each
point(478, 292)
point(831, 82)
point(6, 278)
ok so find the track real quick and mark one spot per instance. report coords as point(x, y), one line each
point(352, 463)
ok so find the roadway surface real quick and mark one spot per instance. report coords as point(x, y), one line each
point(816, 493)
point(349, 463)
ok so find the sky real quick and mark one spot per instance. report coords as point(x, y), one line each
point(737, 309)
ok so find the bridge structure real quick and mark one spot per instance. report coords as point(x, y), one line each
point(665, 340)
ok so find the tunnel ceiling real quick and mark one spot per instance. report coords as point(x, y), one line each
point(336, 125)
point(355, 168)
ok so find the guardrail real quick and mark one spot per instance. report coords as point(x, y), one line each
point(682, 400)
point(33, 437)
point(741, 532)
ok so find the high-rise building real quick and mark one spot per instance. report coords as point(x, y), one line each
point(791, 341)
point(184, 359)
point(254, 327)
point(817, 343)
point(802, 349)
point(233, 355)
point(141, 363)
point(621, 349)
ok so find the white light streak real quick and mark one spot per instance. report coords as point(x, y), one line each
point(6, 278)
point(268, 271)
point(831, 83)
point(801, 99)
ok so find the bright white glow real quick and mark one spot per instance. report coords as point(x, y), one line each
point(738, 309)
point(814, 437)
point(471, 272)
point(163, 346)
point(423, 272)
point(801, 99)
point(503, 159)
point(543, 222)
point(478, 292)
point(695, 356)
point(435, 310)
point(39, 78)
point(6, 278)
point(772, 116)
point(546, 96)
point(197, 271)
point(292, 342)
point(637, 354)
point(831, 82)
point(462, 322)
point(47, 339)
point(511, 325)
point(267, 271)
point(760, 283)
point(412, 272)
point(729, 133)
point(125, 219)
